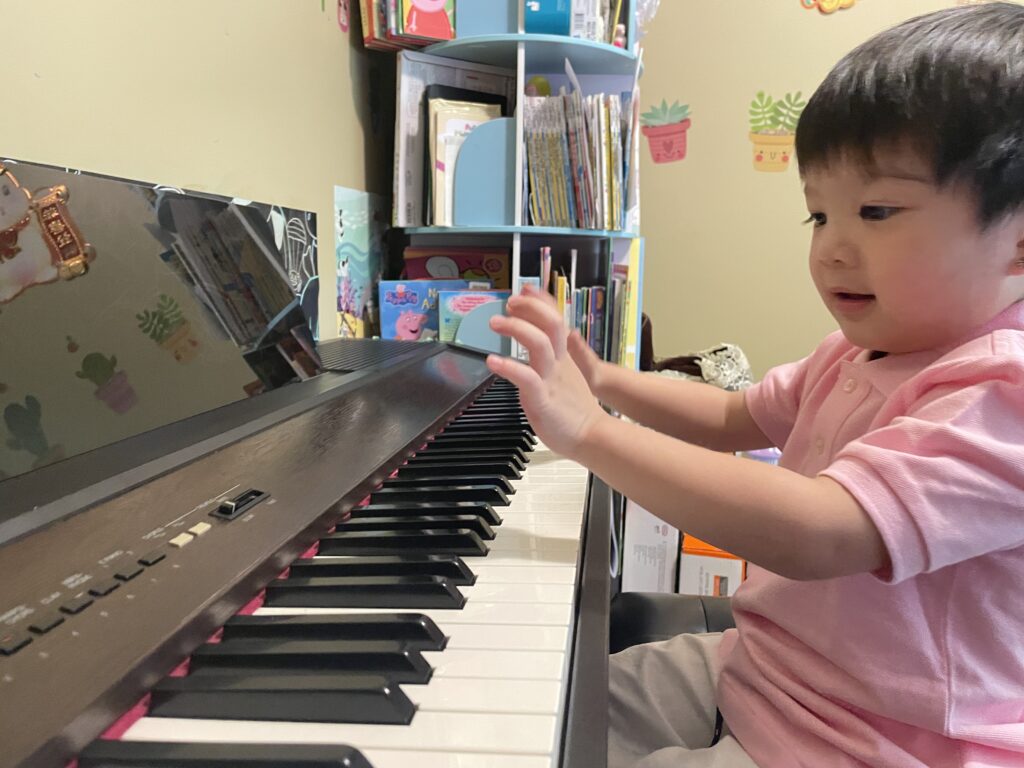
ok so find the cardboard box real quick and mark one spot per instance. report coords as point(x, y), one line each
point(650, 549)
point(708, 570)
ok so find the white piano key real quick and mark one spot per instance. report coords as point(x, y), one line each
point(491, 592)
point(428, 732)
point(391, 758)
point(520, 574)
point(526, 559)
point(551, 546)
point(508, 665)
point(543, 614)
point(487, 695)
point(548, 531)
point(508, 636)
point(558, 518)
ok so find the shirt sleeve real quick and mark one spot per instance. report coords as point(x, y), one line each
point(943, 483)
point(774, 402)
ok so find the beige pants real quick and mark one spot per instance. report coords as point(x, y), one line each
point(662, 707)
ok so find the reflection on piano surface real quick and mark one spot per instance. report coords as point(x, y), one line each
point(375, 567)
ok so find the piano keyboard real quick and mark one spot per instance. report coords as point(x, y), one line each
point(433, 628)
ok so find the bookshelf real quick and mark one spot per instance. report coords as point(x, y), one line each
point(488, 186)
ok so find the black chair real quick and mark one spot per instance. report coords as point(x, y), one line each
point(647, 617)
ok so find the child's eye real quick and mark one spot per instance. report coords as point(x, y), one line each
point(818, 219)
point(877, 212)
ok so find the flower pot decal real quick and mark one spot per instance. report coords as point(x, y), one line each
point(112, 385)
point(168, 327)
point(665, 128)
point(25, 423)
point(773, 130)
point(827, 6)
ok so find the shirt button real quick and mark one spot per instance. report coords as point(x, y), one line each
point(819, 446)
point(849, 385)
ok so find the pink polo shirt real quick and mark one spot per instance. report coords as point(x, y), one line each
point(923, 666)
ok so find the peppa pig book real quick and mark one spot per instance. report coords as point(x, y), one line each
point(428, 20)
point(408, 308)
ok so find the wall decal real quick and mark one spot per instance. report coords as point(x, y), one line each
point(168, 327)
point(25, 423)
point(773, 130)
point(665, 128)
point(52, 249)
point(827, 6)
point(112, 385)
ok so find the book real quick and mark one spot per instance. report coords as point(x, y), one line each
point(548, 17)
point(465, 262)
point(450, 122)
point(428, 20)
point(453, 306)
point(409, 308)
point(415, 72)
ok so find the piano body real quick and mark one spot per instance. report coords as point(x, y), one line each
point(377, 566)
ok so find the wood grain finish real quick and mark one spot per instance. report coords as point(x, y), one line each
point(67, 686)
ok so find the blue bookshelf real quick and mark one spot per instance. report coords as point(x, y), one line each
point(519, 230)
point(544, 53)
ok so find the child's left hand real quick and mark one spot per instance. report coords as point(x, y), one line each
point(553, 391)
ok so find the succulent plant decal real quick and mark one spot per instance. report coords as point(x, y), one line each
point(97, 368)
point(775, 117)
point(161, 322)
point(665, 128)
point(664, 114)
point(112, 385)
point(25, 424)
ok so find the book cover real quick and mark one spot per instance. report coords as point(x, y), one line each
point(450, 122)
point(409, 308)
point(465, 262)
point(428, 19)
point(549, 17)
point(455, 305)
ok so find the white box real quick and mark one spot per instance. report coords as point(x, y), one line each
point(709, 575)
point(650, 551)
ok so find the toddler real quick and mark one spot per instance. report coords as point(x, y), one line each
point(883, 622)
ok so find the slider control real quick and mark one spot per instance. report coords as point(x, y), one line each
point(232, 508)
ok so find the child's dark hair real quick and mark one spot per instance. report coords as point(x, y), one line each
point(948, 85)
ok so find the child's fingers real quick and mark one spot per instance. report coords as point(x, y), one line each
point(541, 315)
point(580, 353)
point(537, 343)
point(537, 293)
point(523, 376)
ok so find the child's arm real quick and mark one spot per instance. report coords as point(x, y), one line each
point(691, 411)
point(798, 527)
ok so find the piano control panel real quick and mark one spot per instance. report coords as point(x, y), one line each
point(120, 576)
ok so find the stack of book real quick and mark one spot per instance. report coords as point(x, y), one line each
point(595, 20)
point(578, 152)
point(389, 25)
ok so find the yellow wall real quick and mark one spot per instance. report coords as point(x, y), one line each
point(726, 252)
point(261, 99)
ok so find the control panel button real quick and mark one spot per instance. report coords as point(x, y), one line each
point(128, 572)
point(76, 605)
point(12, 642)
point(104, 588)
point(45, 623)
point(199, 529)
point(181, 540)
point(152, 558)
point(232, 508)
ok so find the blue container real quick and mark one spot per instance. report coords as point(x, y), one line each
point(548, 17)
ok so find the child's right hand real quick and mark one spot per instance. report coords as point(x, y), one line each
point(553, 391)
point(591, 366)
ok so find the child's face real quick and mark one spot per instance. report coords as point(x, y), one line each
point(903, 264)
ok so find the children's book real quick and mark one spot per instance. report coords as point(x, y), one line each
point(428, 20)
point(450, 122)
point(455, 305)
point(466, 262)
point(409, 308)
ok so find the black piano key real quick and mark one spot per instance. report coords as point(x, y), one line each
point(321, 698)
point(427, 542)
point(436, 522)
point(475, 425)
point(450, 567)
point(445, 456)
point(473, 431)
point(393, 660)
point(478, 508)
point(158, 754)
point(469, 469)
point(416, 630)
point(416, 592)
point(481, 441)
point(447, 452)
point(489, 494)
point(452, 479)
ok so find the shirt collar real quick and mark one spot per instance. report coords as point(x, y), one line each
point(887, 373)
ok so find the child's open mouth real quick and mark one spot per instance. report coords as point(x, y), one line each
point(847, 301)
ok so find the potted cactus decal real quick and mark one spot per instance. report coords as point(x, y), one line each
point(827, 6)
point(773, 129)
point(24, 422)
point(665, 128)
point(112, 385)
point(168, 327)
